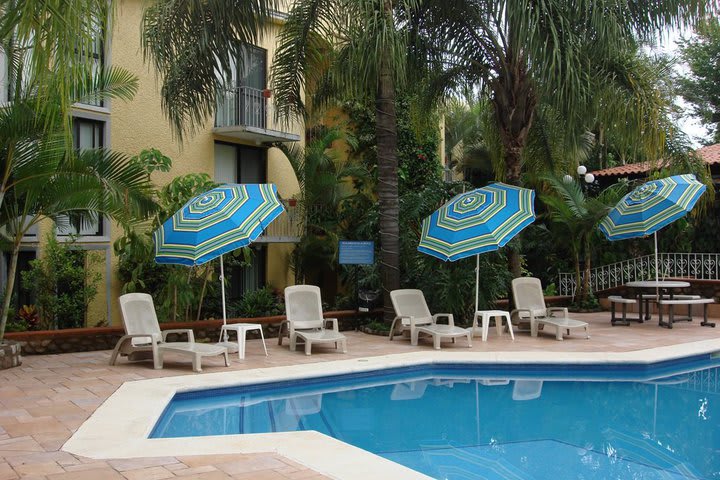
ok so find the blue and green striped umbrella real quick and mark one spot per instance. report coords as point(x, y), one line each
point(216, 222)
point(477, 221)
point(652, 206)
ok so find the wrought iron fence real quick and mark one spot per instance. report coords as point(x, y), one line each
point(704, 266)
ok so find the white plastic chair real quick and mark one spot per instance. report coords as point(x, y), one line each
point(305, 321)
point(530, 305)
point(143, 335)
point(413, 314)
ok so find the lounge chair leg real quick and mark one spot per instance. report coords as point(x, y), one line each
point(469, 337)
point(116, 350)
point(558, 333)
point(392, 328)
point(280, 331)
point(436, 342)
point(533, 328)
point(157, 357)
point(197, 363)
point(343, 343)
point(227, 358)
point(587, 331)
point(414, 338)
point(293, 342)
point(308, 347)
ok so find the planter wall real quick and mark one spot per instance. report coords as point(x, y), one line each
point(10, 354)
point(105, 338)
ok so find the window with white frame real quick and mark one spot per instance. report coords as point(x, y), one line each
point(87, 134)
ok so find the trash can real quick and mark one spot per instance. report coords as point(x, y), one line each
point(368, 299)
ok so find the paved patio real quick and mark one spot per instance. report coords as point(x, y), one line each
point(46, 399)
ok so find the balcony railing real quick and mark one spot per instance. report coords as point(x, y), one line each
point(287, 228)
point(242, 106)
point(246, 113)
point(701, 266)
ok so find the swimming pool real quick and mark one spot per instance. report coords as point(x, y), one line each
point(490, 421)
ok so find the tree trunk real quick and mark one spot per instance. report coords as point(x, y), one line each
point(577, 294)
point(9, 290)
point(586, 274)
point(387, 189)
point(514, 104)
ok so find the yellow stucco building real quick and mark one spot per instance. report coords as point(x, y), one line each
point(232, 148)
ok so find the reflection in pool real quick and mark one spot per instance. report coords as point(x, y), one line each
point(480, 421)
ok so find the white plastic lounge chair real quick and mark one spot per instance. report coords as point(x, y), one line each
point(412, 313)
point(305, 321)
point(143, 335)
point(530, 305)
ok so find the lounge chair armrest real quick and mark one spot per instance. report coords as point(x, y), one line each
point(334, 322)
point(154, 338)
point(562, 310)
point(516, 313)
point(449, 316)
point(403, 317)
point(187, 331)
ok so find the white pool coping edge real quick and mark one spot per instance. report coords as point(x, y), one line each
point(119, 428)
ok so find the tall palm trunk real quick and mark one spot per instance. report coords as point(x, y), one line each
point(9, 287)
point(387, 189)
point(514, 102)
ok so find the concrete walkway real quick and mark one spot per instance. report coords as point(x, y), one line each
point(46, 399)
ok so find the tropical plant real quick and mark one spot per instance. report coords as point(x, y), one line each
point(263, 302)
point(178, 289)
point(323, 176)
point(700, 86)
point(574, 217)
point(43, 178)
point(64, 281)
point(521, 52)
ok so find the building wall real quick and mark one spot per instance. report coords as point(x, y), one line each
point(141, 124)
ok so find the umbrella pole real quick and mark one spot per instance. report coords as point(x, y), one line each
point(657, 264)
point(222, 290)
point(477, 280)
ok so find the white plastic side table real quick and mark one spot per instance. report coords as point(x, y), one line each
point(241, 330)
point(485, 316)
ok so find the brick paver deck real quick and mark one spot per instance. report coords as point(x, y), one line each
point(46, 399)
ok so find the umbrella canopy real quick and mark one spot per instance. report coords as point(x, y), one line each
point(478, 221)
point(216, 222)
point(652, 206)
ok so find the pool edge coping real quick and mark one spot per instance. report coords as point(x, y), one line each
point(114, 431)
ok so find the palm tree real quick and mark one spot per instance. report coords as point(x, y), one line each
point(522, 52)
point(576, 217)
point(321, 174)
point(42, 178)
point(359, 49)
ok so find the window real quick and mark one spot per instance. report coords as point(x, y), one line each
point(244, 102)
point(22, 296)
point(87, 134)
point(242, 164)
point(95, 55)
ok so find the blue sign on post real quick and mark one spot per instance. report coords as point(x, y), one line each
point(356, 253)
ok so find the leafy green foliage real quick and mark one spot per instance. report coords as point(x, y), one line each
point(701, 86)
point(263, 302)
point(64, 280)
point(177, 289)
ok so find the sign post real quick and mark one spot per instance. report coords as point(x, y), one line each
point(356, 253)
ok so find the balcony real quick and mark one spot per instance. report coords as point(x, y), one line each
point(287, 228)
point(246, 113)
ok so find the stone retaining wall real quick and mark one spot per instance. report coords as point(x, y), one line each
point(105, 338)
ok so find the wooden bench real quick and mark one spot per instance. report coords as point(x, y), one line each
point(614, 299)
point(671, 302)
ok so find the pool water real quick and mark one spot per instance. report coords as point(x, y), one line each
point(478, 422)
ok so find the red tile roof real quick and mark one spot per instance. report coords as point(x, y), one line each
point(711, 155)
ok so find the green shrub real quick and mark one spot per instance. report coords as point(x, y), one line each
point(62, 282)
point(263, 302)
